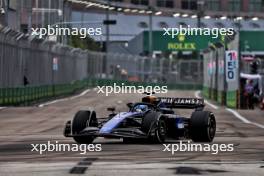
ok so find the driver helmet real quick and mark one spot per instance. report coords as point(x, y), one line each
point(141, 108)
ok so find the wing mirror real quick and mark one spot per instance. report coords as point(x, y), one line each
point(130, 105)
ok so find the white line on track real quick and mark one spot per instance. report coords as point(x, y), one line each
point(243, 119)
point(210, 104)
point(64, 99)
point(257, 124)
point(235, 113)
point(2, 108)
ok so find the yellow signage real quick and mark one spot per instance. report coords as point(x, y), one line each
point(181, 46)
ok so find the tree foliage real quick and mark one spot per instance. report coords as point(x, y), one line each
point(84, 43)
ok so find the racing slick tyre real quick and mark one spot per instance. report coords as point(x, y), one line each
point(202, 126)
point(81, 120)
point(155, 126)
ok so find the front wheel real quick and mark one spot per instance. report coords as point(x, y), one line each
point(81, 120)
point(160, 133)
point(202, 126)
point(155, 126)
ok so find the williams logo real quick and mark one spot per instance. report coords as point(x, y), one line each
point(181, 101)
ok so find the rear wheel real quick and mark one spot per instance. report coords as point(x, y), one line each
point(81, 120)
point(202, 126)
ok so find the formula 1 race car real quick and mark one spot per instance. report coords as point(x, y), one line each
point(153, 120)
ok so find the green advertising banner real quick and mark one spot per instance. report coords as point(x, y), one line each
point(165, 43)
point(250, 40)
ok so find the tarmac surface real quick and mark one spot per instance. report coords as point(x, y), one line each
point(22, 126)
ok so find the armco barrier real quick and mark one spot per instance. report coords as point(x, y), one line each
point(29, 95)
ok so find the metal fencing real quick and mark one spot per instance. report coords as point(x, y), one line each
point(34, 68)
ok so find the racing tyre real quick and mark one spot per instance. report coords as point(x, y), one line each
point(160, 132)
point(81, 120)
point(202, 126)
point(155, 127)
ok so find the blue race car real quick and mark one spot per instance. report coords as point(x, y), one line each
point(153, 120)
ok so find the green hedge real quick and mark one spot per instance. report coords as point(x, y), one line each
point(220, 97)
point(26, 95)
point(231, 99)
point(206, 92)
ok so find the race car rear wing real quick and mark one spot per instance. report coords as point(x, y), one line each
point(184, 103)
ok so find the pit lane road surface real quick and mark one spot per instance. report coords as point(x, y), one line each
point(22, 126)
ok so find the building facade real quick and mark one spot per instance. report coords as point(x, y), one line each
point(211, 5)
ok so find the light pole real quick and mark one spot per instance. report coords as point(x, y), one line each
point(150, 31)
point(239, 63)
point(107, 30)
point(107, 22)
point(200, 12)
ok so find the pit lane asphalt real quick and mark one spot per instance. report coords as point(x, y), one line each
point(20, 127)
